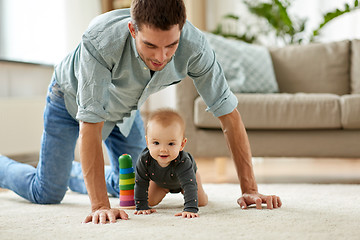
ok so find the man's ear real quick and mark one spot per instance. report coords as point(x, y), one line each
point(183, 144)
point(132, 29)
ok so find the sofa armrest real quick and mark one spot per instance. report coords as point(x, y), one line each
point(355, 70)
point(185, 94)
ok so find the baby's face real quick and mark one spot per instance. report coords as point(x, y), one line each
point(165, 143)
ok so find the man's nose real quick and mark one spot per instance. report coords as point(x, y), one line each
point(161, 55)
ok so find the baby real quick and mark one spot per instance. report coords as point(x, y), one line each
point(164, 167)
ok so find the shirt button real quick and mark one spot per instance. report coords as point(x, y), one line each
point(145, 68)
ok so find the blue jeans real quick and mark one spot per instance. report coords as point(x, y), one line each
point(56, 170)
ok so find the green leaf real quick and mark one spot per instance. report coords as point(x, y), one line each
point(231, 16)
point(288, 29)
point(329, 16)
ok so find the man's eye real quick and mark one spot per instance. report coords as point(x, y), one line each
point(172, 46)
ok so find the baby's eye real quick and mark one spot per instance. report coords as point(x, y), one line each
point(156, 143)
point(171, 144)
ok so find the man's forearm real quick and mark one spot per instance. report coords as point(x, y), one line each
point(92, 162)
point(238, 143)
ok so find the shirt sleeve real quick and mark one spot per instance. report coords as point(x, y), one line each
point(141, 184)
point(210, 82)
point(186, 174)
point(94, 78)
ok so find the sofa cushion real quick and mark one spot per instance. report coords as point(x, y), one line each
point(313, 68)
point(355, 69)
point(350, 111)
point(279, 111)
point(247, 67)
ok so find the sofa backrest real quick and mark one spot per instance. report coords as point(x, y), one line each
point(313, 68)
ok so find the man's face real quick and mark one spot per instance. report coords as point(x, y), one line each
point(155, 47)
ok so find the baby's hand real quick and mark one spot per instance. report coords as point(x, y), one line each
point(187, 214)
point(145, 212)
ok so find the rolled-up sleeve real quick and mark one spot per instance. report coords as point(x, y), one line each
point(94, 79)
point(210, 82)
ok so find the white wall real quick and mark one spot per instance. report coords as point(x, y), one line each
point(19, 80)
point(39, 31)
point(216, 9)
point(78, 14)
point(22, 100)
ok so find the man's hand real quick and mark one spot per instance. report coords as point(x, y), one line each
point(145, 212)
point(247, 199)
point(187, 214)
point(103, 215)
point(238, 142)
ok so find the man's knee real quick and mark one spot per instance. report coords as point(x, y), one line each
point(48, 200)
point(43, 197)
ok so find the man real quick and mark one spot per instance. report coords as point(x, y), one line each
point(96, 91)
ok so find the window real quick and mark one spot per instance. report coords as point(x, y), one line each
point(43, 31)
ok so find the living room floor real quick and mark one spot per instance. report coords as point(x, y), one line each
point(285, 170)
point(272, 170)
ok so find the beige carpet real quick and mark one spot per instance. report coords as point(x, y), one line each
point(308, 212)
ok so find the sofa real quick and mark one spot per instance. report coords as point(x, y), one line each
point(315, 113)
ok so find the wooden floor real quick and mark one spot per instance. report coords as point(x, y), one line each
point(285, 170)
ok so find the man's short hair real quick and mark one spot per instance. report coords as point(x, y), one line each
point(161, 14)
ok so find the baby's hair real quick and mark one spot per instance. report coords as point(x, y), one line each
point(166, 116)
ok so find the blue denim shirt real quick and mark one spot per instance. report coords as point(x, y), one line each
point(105, 79)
